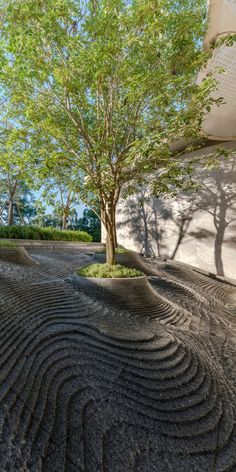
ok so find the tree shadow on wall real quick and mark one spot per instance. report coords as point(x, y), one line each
point(145, 221)
point(217, 197)
point(136, 221)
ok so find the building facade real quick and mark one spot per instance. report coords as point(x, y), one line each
point(197, 228)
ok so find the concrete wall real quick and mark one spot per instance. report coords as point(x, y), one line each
point(221, 17)
point(198, 228)
point(220, 122)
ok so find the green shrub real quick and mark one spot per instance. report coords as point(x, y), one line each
point(7, 244)
point(48, 234)
point(122, 250)
point(119, 250)
point(108, 271)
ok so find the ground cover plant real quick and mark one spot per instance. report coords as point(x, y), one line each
point(7, 244)
point(49, 234)
point(109, 271)
point(118, 250)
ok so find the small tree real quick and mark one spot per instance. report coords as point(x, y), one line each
point(61, 192)
point(91, 224)
point(16, 164)
point(111, 83)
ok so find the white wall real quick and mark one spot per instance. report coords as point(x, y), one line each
point(198, 228)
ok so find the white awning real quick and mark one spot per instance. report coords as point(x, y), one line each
point(220, 122)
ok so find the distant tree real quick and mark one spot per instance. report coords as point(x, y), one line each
point(18, 207)
point(55, 217)
point(90, 223)
point(16, 170)
point(24, 206)
point(61, 192)
point(45, 220)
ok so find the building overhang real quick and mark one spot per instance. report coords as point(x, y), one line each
point(220, 122)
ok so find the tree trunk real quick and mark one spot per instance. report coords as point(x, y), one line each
point(20, 214)
point(10, 213)
point(114, 228)
point(64, 221)
point(108, 219)
point(110, 245)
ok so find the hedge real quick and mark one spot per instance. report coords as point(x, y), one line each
point(49, 234)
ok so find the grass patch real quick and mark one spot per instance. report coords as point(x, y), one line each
point(7, 244)
point(106, 271)
point(48, 234)
point(122, 250)
point(119, 250)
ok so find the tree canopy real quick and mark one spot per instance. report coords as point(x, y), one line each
point(109, 83)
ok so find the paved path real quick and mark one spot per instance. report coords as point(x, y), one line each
point(87, 387)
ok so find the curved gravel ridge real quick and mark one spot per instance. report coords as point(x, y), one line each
point(87, 386)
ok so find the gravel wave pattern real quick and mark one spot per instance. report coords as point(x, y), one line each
point(87, 387)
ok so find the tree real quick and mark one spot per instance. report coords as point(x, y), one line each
point(111, 83)
point(16, 163)
point(17, 202)
point(22, 204)
point(44, 220)
point(61, 191)
point(91, 224)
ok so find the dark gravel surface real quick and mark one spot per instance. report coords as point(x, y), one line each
point(86, 386)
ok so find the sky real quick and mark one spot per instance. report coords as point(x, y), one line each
point(79, 208)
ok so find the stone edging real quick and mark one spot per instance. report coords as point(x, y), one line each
point(134, 294)
point(37, 243)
